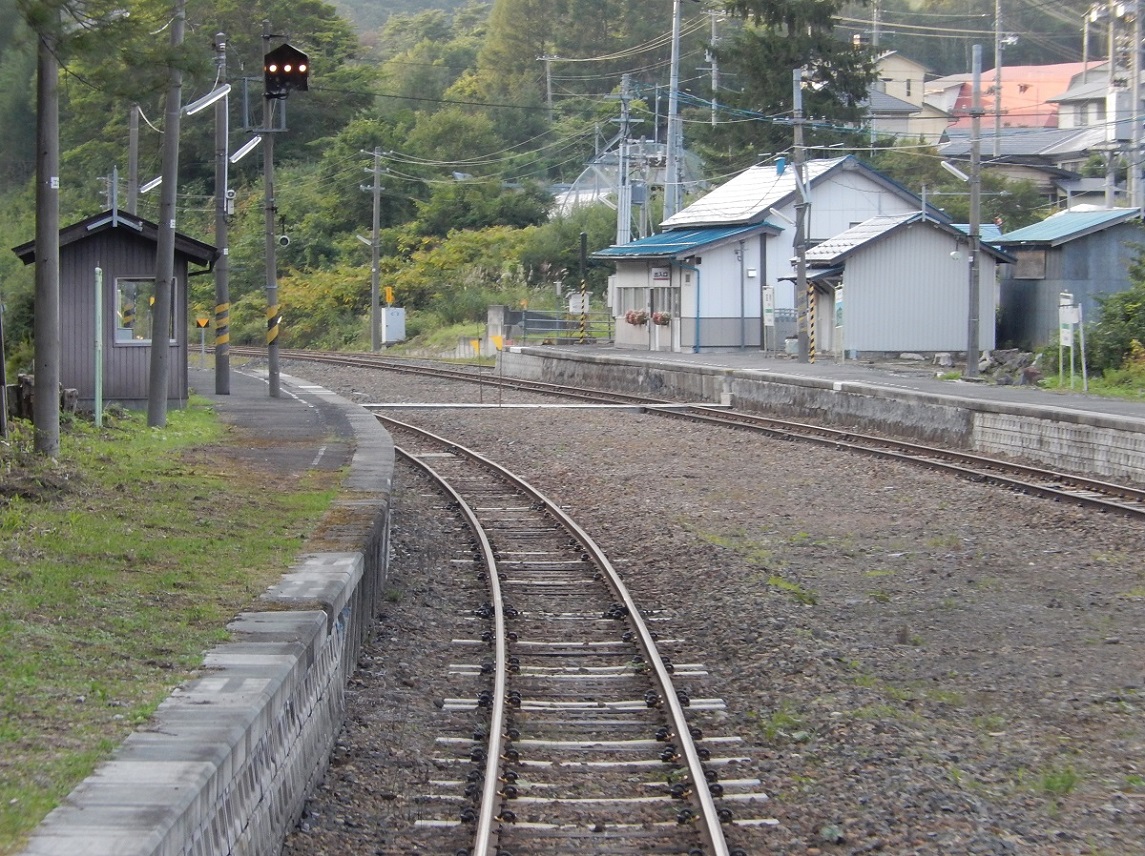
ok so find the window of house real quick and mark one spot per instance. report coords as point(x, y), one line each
point(1031, 263)
point(134, 305)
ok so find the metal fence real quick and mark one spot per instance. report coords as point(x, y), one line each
point(557, 328)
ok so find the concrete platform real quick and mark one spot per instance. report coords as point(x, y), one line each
point(226, 763)
point(1103, 438)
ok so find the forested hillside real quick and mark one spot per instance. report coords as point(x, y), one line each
point(476, 108)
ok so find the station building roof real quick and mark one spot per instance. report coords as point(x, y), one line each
point(682, 242)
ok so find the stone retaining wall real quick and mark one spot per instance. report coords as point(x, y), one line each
point(1093, 444)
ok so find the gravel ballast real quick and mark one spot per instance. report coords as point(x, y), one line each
point(920, 664)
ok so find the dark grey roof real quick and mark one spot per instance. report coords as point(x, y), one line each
point(196, 251)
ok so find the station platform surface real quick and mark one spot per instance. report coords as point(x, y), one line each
point(915, 376)
point(304, 428)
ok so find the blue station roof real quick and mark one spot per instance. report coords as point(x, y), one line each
point(1069, 225)
point(679, 242)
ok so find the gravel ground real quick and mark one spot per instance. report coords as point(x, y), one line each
point(921, 665)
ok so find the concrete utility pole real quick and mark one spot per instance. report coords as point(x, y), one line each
point(673, 142)
point(802, 209)
point(375, 251)
point(624, 186)
point(715, 65)
point(133, 160)
point(548, 61)
point(1136, 194)
point(975, 211)
point(165, 252)
point(46, 327)
point(222, 205)
point(997, 77)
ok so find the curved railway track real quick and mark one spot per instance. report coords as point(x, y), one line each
point(587, 737)
point(1058, 486)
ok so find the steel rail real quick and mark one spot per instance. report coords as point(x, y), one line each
point(1024, 478)
point(710, 825)
point(483, 840)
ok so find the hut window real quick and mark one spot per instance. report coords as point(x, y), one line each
point(134, 303)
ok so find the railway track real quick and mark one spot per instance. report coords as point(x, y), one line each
point(1054, 485)
point(573, 728)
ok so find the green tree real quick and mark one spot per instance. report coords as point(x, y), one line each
point(1119, 332)
point(776, 38)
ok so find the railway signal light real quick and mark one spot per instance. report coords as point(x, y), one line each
point(285, 69)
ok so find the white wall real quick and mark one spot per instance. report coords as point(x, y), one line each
point(924, 310)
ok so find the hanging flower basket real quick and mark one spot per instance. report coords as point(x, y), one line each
point(636, 317)
point(661, 319)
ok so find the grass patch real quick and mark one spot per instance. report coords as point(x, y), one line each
point(793, 590)
point(121, 563)
point(782, 724)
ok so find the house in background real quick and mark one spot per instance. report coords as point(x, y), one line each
point(719, 261)
point(899, 282)
point(123, 247)
point(1086, 253)
point(904, 80)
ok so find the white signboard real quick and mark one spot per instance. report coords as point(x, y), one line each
point(661, 275)
point(578, 303)
point(768, 306)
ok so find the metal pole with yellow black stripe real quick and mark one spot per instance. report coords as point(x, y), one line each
point(810, 322)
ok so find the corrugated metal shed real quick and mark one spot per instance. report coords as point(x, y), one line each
point(1068, 226)
point(680, 241)
point(837, 249)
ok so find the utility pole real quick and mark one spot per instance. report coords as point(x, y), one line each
point(165, 251)
point(715, 65)
point(975, 211)
point(46, 326)
point(624, 186)
point(802, 209)
point(1136, 197)
point(133, 159)
point(548, 61)
point(222, 205)
point(672, 163)
point(375, 251)
point(997, 78)
point(1111, 115)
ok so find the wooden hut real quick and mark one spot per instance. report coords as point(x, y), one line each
point(123, 247)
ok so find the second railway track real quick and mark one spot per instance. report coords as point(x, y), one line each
point(571, 730)
point(1122, 499)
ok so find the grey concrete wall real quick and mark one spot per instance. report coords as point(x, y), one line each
point(1088, 443)
point(226, 763)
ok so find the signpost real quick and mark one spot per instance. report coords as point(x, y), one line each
point(768, 300)
point(1069, 315)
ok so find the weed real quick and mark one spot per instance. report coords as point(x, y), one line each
point(782, 724)
point(879, 596)
point(1059, 782)
point(393, 595)
point(792, 589)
